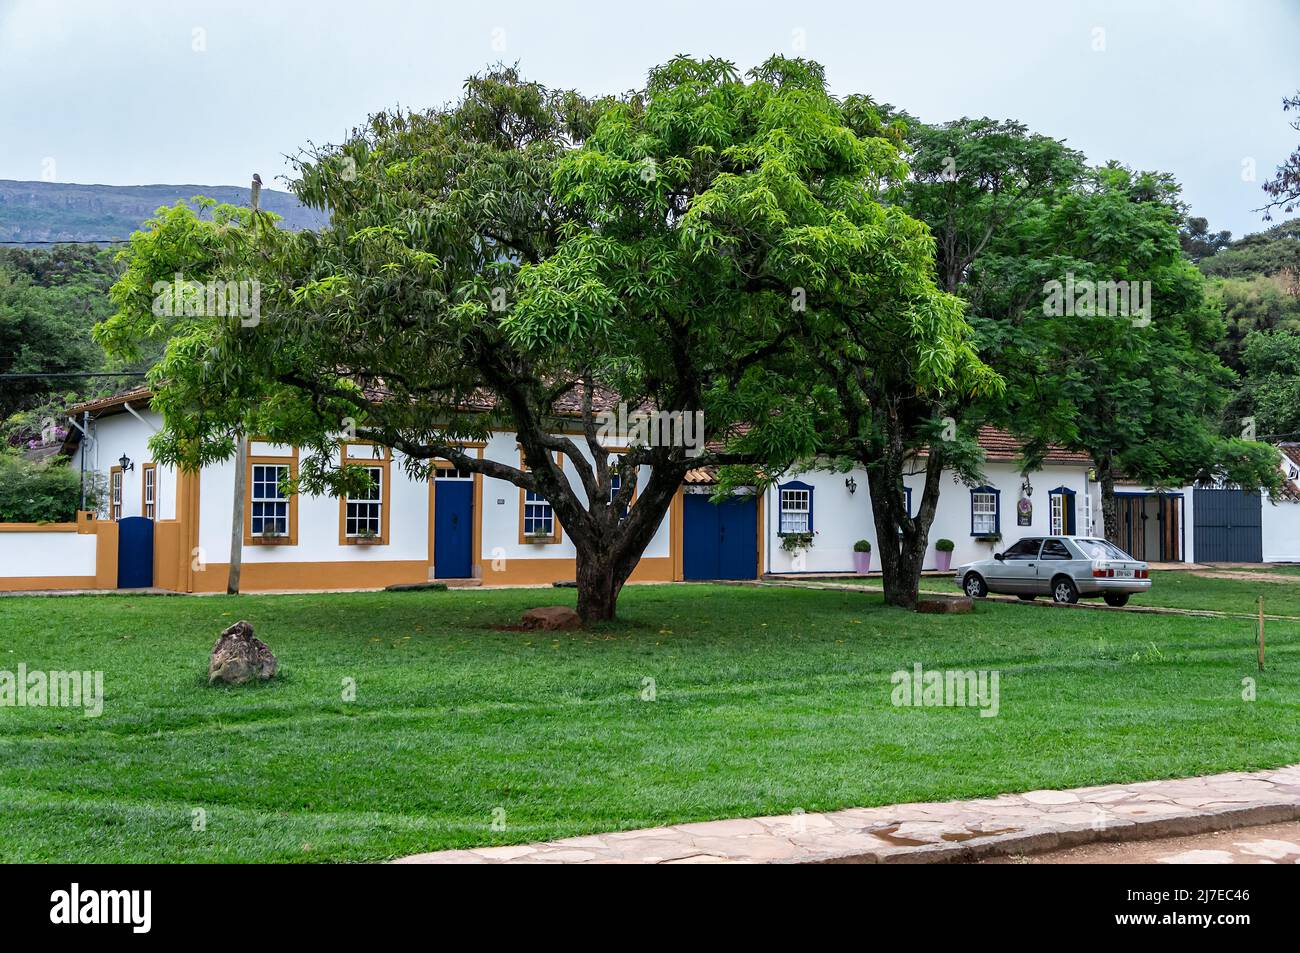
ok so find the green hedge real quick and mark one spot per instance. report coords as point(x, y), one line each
point(40, 492)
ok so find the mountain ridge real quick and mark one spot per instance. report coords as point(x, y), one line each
point(39, 212)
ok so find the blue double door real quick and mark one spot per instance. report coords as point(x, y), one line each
point(453, 529)
point(720, 539)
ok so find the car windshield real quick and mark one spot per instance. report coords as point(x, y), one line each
point(1101, 549)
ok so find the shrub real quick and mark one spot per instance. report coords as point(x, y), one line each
point(862, 546)
point(944, 545)
point(41, 492)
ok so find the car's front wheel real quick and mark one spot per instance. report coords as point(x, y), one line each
point(1116, 599)
point(975, 586)
point(1064, 590)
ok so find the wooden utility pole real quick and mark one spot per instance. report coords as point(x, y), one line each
point(241, 460)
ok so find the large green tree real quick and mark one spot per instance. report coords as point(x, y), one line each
point(526, 247)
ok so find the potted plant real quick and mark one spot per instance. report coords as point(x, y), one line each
point(943, 554)
point(862, 557)
point(367, 537)
point(271, 534)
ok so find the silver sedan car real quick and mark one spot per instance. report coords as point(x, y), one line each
point(1064, 567)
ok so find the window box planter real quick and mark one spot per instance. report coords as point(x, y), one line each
point(367, 540)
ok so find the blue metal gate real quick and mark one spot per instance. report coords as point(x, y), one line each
point(453, 525)
point(720, 539)
point(1227, 526)
point(134, 553)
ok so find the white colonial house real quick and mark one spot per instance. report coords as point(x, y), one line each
point(171, 530)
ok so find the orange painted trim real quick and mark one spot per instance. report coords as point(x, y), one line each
point(555, 537)
point(368, 574)
point(385, 494)
point(476, 551)
point(40, 583)
point(86, 522)
point(145, 470)
point(676, 537)
point(115, 474)
point(106, 554)
point(282, 461)
point(39, 527)
point(762, 536)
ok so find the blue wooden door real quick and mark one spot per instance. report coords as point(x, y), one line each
point(738, 539)
point(720, 541)
point(134, 553)
point(453, 526)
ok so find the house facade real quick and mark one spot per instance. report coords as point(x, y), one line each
point(172, 530)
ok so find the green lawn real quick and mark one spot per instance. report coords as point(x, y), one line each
point(768, 699)
point(1180, 589)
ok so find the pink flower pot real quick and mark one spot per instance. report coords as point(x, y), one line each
point(862, 563)
point(942, 560)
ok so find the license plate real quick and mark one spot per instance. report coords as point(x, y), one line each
point(1123, 573)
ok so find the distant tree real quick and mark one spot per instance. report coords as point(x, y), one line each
point(1283, 189)
point(1272, 386)
point(1199, 242)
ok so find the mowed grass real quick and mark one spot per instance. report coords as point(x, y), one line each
point(1184, 589)
point(765, 700)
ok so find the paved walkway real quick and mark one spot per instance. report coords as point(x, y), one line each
point(1270, 844)
point(954, 831)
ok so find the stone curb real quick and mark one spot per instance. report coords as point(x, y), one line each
point(935, 832)
point(1040, 842)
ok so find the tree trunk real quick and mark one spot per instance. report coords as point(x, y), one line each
point(600, 580)
point(237, 518)
point(901, 537)
point(1109, 505)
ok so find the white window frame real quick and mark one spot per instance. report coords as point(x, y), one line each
point(115, 495)
point(538, 510)
point(276, 502)
point(795, 511)
point(368, 509)
point(150, 477)
point(1056, 507)
point(983, 512)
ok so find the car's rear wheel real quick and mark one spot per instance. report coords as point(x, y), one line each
point(1064, 590)
point(1026, 597)
point(1116, 599)
point(975, 586)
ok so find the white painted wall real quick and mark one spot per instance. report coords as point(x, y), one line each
point(1281, 532)
point(47, 554)
point(501, 509)
point(841, 518)
point(123, 433)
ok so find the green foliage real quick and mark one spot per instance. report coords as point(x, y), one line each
point(1272, 387)
point(49, 303)
point(862, 546)
point(944, 545)
point(41, 492)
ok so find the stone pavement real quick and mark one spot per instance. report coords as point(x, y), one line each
point(1270, 844)
point(954, 831)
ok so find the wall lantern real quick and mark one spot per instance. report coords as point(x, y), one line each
point(1027, 488)
point(125, 462)
point(852, 484)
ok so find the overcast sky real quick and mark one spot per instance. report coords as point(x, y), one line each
point(139, 92)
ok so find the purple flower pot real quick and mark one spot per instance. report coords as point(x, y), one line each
point(942, 560)
point(862, 563)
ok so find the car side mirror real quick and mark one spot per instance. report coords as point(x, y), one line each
point(999, 556)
